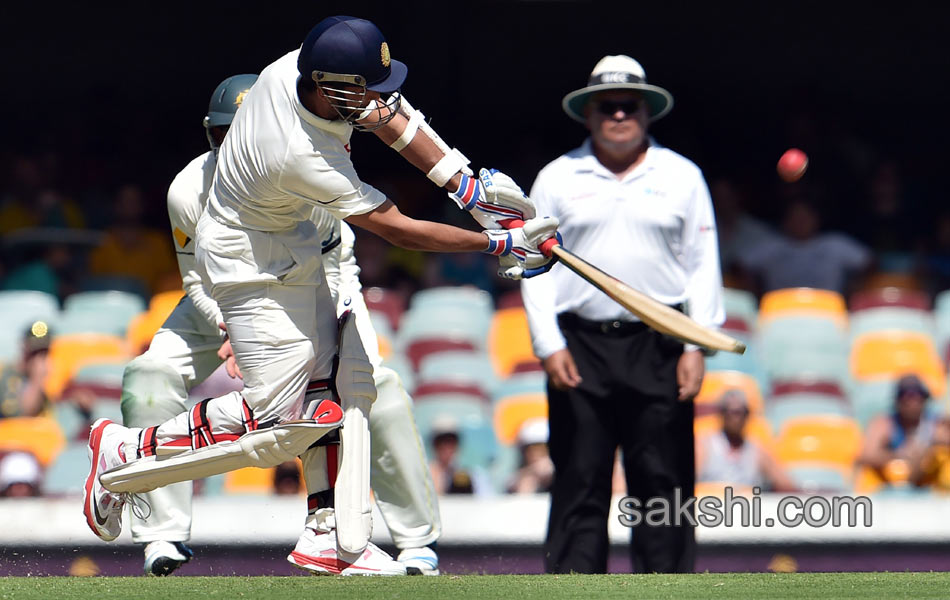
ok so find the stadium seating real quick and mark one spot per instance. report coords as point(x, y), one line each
point(99, 312)
point(67, 473)
point(385, 336)
point(471, 419)
point(511, 412)
point(465, 300)
point(757, 428)
point(890, 354)
point(740, 305)
point(509, 341)
point(715, 383)
point(893, 297)
point(521, 383)
point(385, 302)
point(872, 398)
point(461, 367)
point(422, 348)
point(68, 353)
point(817, 477)
point(830, 439)
point(443, 323)
point(41, 436)
point(20, 308)
point(249, 480)
point(807, 302)
point(789, 407)
point(889, 318)
point(803, 347)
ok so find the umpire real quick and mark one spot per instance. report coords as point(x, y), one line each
point(642, 213)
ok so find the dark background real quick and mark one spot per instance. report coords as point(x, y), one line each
point(118, 91)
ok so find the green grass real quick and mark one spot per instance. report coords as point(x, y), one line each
point(827, 586)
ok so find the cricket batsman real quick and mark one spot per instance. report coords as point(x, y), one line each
point(259, 253)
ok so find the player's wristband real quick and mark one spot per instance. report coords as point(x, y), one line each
point(499, 242)
point(469, 193)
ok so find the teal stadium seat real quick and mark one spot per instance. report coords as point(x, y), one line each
point(470, 416)
point(461, 367)
point(801, 347)
point(19, 309)
point(740, 304)
point(521, 383)
point(100, 312)
point(892, 318)
point(467, 300)
point(791, 406)
point(66, 475)
point(872, 398)
point(443, 323)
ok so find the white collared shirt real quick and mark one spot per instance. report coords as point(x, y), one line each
point(654, 230)
point(279, 160)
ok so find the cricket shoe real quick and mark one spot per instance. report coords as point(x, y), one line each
point(103, 509)
point(163, 558)
point(316, 552)
point(420, 561)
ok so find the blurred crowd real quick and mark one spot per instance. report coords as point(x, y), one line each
point(856, 220)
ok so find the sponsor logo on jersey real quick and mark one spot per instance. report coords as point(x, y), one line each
point(384, 54)
point(181, 238)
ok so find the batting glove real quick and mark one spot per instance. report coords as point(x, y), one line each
point(517, 249)
point(492, 199)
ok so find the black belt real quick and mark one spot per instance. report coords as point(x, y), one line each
point(571, 321)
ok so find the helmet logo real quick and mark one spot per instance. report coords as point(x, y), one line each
point(384, 54)
point(240, 97)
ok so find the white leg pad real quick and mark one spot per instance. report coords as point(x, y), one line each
point(261, 448)
point(353, 508)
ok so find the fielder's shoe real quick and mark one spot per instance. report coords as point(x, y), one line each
point(103, 509)
point(420, 561)
point(316, 552)
point(162, 558)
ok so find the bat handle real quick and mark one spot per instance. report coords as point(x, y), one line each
point(546, 247)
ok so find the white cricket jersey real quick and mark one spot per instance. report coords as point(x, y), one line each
point(654, 230)
point(279, 160)
point(187, 197)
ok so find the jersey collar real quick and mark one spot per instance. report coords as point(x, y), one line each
point(339, 128)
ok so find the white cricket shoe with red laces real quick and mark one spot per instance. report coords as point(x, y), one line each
point(316, 552)
point(102, 508)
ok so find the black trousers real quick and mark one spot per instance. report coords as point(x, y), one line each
point(628, 398)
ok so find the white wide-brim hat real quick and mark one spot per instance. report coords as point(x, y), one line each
point(618, 73)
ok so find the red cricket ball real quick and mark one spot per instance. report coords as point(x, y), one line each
point(791, 166)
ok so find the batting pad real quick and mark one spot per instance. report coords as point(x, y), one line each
point(261, 448)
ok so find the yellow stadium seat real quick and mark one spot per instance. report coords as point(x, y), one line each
point(163, 303)
point(715, 383)
point(249, 480)
point(70, 352)
point(40, 436)
point(512, 411)
point(509, 340)
point(803, 301)
point(890, 354)
point(825, 439)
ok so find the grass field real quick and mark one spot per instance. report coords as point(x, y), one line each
point(827, 586)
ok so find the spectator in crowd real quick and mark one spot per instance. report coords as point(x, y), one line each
point(447, 475)
point(31, 203)
point(46, 268)
point(730, 456)
point(287, 478)
point(738, 231)
point(21, 384)
point(20, 475)
point(896, 444)
point(133, 249)
point(536, 471)
point(805, 256)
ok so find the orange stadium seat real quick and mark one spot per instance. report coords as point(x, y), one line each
point(509, 341)
point(144, 326)
point(70, 352)
point(249, 480)
point(890, 354)
point(512, 411)
point(803, 301)
point(41, 436)
point(825, 439)
point(715, 383)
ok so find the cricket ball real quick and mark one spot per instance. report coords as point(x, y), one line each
point(791, 166)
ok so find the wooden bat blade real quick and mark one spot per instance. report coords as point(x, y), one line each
point(655, 314)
